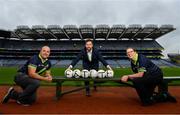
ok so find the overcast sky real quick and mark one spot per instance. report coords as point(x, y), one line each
point(62, 12)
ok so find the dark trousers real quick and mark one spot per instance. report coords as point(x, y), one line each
point(29, 86)
point(145, 85)
point(87, 83)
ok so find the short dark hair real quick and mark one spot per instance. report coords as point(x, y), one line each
point(89, 40)
point(132, 49)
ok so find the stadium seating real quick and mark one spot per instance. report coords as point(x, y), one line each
point(65, 42)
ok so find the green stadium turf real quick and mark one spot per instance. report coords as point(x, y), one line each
point(7, 75)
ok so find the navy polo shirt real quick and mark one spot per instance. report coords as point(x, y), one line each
point(144, 64)
point(38, 63)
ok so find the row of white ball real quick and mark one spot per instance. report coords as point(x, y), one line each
point(87, 74)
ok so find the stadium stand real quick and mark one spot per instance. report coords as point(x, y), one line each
point(66, 42)
point(175, 58)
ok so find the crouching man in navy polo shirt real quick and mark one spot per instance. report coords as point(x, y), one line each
point(146, 77)
point(36, 69)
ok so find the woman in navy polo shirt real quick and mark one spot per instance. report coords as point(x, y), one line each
point(146, 77)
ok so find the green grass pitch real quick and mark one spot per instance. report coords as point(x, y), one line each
point(7, 75)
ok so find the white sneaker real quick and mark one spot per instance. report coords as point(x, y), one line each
point(23, 104)
point(7, 96)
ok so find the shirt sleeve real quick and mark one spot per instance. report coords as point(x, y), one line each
point(142, 69)
point(49, 67)
point(142, 64)
point(33, 62)
point(76, 60)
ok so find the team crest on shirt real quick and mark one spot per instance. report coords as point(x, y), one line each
point(45, 66)
point(41, 65)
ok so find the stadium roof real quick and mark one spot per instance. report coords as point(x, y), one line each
point(99, 32)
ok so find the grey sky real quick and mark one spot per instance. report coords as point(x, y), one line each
point(62, 12)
